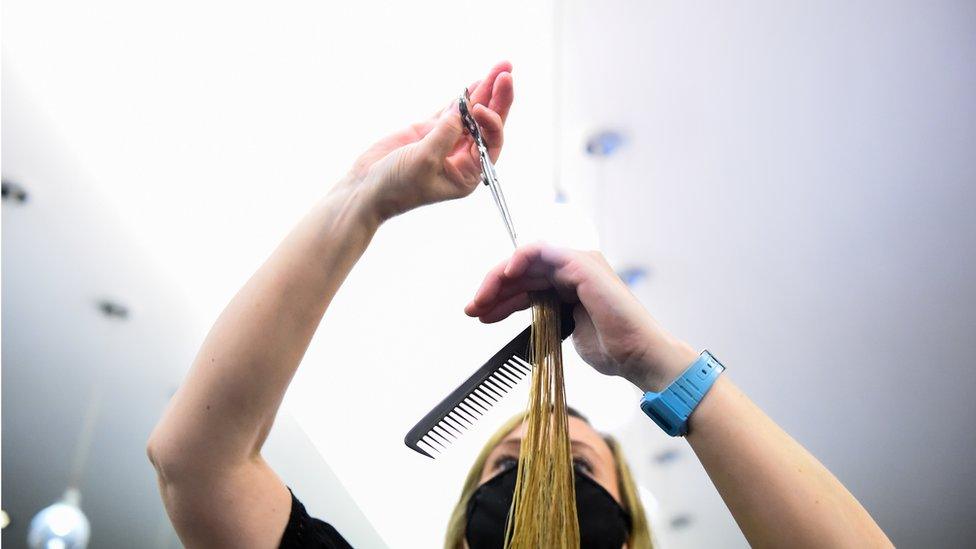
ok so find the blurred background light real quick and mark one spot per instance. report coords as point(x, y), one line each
point(604, 143)
point(60, 526)
point(667, 456)
point(13, 192)
point(632, 275)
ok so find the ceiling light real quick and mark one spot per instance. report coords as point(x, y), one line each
point(60, 526)
point(113, 309)
point(667, 456)
point(4, 519)
point(680, 521)
point(632, 275)
point(12, 191)
point(604, 143)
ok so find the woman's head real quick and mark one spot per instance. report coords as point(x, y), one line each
point(595, 455)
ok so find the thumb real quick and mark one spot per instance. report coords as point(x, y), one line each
point(447, 130)
point(586, 340)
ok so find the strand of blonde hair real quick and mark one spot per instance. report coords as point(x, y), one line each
point(543, 512)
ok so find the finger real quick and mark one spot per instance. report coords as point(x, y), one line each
point(532, 253)
point(565, 281)
point(511, 288)
point(419, 130)
point(538, 268)
point(447, 130)
point(537, 254)
point(584, 330)
point(530, 261)
point(492, 130)
point(466, 162)
point(522, 257)
point(502, 95)
point(482, 92)
point(503, 309)
point(452, 104)
point(474, 86)
point(490, 287)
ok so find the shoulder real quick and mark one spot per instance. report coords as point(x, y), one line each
point(306, 532)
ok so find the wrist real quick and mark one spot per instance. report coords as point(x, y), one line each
point(664, 361)
point(354, 199)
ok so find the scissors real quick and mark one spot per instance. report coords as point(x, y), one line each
point(488, 175)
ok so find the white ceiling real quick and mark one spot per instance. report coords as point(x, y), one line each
point(797, 178)
point(800, 181)
point(64, 251)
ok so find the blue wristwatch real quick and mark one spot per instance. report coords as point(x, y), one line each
point(671, 407)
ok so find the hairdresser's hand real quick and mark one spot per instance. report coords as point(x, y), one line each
point(435, 160)
point(614, 333)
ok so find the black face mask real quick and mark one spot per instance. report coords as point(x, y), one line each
point(603, 523)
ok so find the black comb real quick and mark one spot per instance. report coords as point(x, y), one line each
point(449, 419)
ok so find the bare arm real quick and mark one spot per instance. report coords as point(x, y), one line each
point(206, 448)
point(778, 493)
point(217, 489)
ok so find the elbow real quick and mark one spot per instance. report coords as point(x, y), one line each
point(153, 450)
point(164, 458)
point(155, 454)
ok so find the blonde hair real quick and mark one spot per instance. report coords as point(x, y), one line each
point(640, 532)
point(543, 512)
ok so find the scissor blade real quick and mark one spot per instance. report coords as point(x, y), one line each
point(487, 169)
point(499, 196)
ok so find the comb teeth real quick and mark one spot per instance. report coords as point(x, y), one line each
point(472, 399)
point(462, 416)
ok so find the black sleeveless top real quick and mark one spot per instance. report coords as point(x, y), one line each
point(305, 532)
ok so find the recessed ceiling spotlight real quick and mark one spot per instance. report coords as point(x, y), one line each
point(4, 519)
point(13, 192)
point(666, 457)
point(632, 275)
point(680, 521)
point(604, 143)
point(113, 309)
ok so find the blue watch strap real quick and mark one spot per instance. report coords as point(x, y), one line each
point(671, 407)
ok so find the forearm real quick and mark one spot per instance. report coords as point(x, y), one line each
point(228, 401)
point(779, 494)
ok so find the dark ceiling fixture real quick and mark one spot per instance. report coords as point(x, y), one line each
point(113, 309)
point(680, 521)
point(667, 457)
point(13, 192)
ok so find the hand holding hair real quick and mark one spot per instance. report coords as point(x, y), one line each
point(614, 333)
